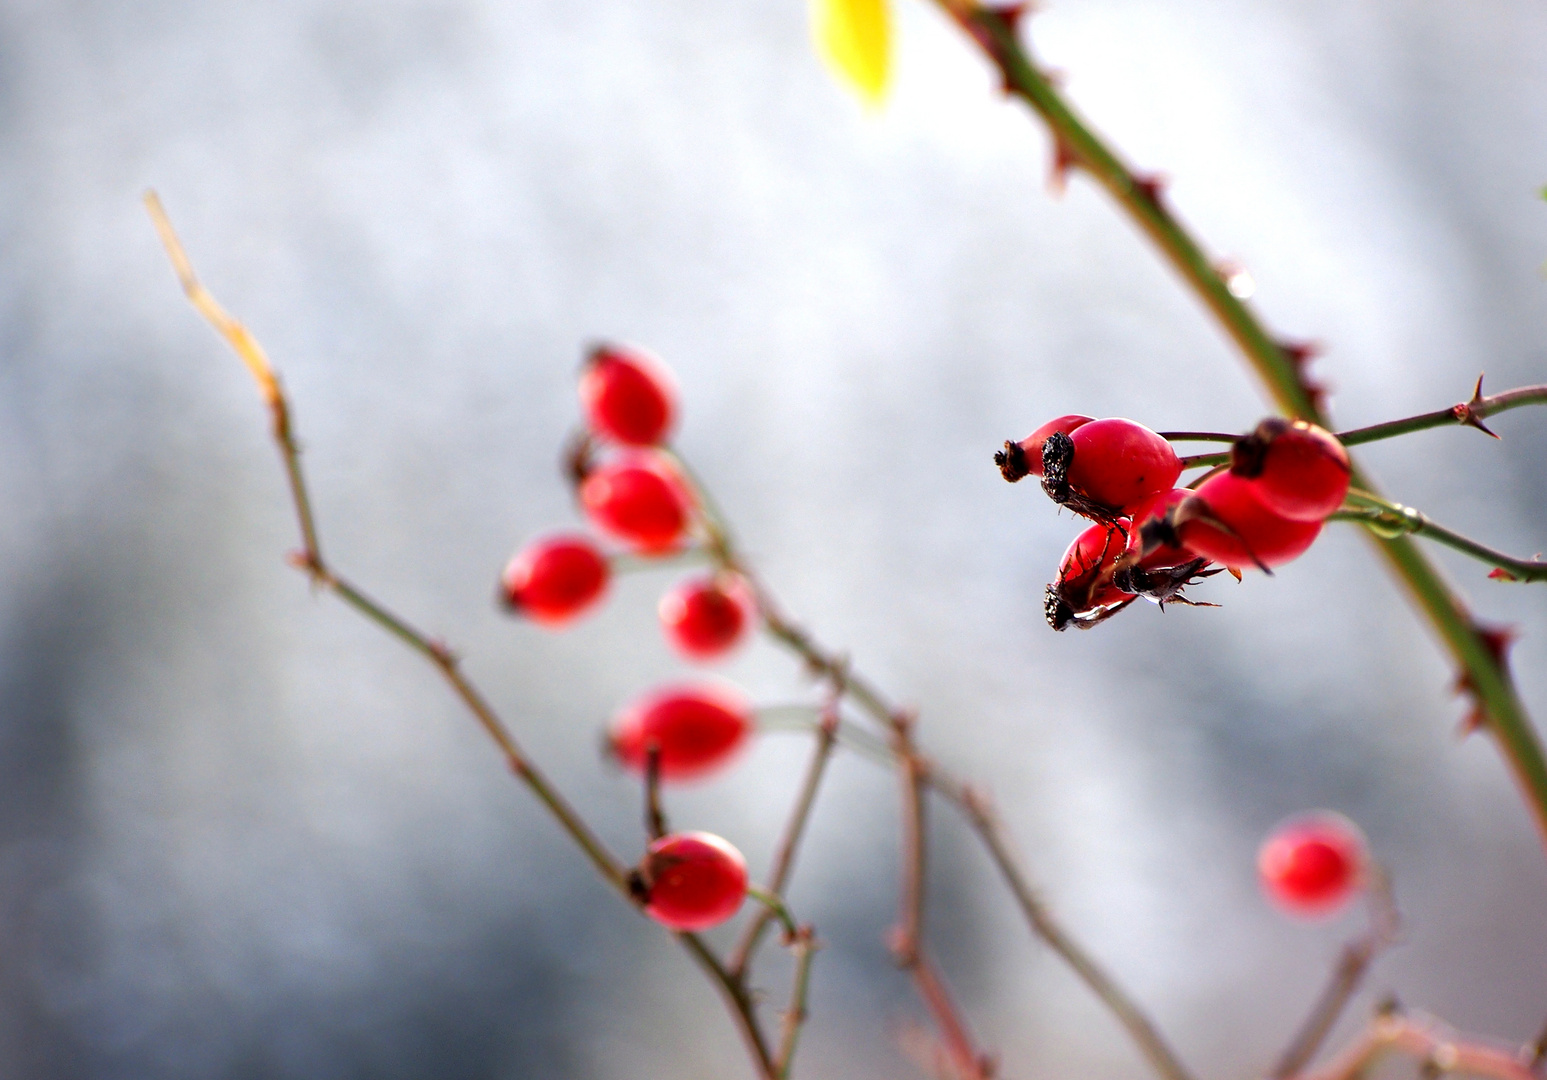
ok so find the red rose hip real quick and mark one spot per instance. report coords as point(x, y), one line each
point(1313, 865)
point(627, 395)
point(1025, 457)
point(1084, 584)
point(1224, 522)
point(640, 499)
point(1298, 470)
point(705, 618)
point(698, 727)
point(1105, 467)
point(554, 580)
point(691, 881)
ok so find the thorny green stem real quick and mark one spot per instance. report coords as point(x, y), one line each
point(1077, 145)
point(310, 561)
point(1388, 520)
point(775, 905)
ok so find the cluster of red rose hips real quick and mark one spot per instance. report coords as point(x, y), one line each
point(633, 491)
point(1151, 538)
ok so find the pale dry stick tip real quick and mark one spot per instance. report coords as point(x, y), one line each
point(1392, 1033)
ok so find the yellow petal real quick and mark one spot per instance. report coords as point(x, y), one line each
point(854, 37)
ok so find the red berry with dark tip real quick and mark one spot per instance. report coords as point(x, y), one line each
point(554, 580)
point(1298, 470)
point(1084, 592)
point(697, 727)
point(1226, 523)
point(1155, 508)
point(692, 881)
point(1025, 457)
point(639, 498)
point(1313, 865)
point(628, 396)
point(1103, 468)
point(705, 618)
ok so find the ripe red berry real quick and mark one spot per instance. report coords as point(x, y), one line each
point(1084, 592)
point(691, 881)
point(628, 395)
point(1025, 457)
point(1314, 864)
point(639, 498)
point(1298, 470)
point(1224, 522)
point(1166, 568)
point(554, 580)
point(697, 727)
point(1105, 467)
point(706, 617)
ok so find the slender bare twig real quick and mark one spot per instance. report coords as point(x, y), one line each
point(655, 817)
point(1426, 1042)
point(1353, 963)
point(966, 1061)
point(805, 947)
point(310, 560)
point(794, 829)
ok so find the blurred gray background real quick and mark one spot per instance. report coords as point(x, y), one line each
point(244, 834)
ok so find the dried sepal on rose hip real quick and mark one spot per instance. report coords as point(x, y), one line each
point(1022, 459)
point(640, 498)
point(1314, 864)
point(1297, 469)
point(555, 579)
point(1225, 523)
point(1084, 593)
point(628, 395)
point(690, 881)
point(704, 618)
point(697, 728)
point(1102, 469)
point(1161, 573)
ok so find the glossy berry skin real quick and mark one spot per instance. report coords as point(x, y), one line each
point(691, 881)
point(698, 727)
point(1084, 594)
point(1228, 525)
point(1151, 509)
point(1105, 467)
point(1313, 865)
point(554, 580)
point(1298, 470)
point(704, 618)
point(628, 396)
point(640, 499)
point(1024, 458)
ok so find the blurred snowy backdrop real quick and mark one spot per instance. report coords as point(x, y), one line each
point(244, 834)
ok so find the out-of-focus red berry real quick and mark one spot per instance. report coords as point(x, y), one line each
point(1025, 457)
point(628, 395)
point(692, 881)
point(706, 617)
point(1298, 470)
point(698, 727)
point(555, 579)
point(1227, 524)
point(639, 498)
point(1313, 865)
point(1105, 467)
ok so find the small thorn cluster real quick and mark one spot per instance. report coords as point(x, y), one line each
point(1153, 539)
point(636, 496)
